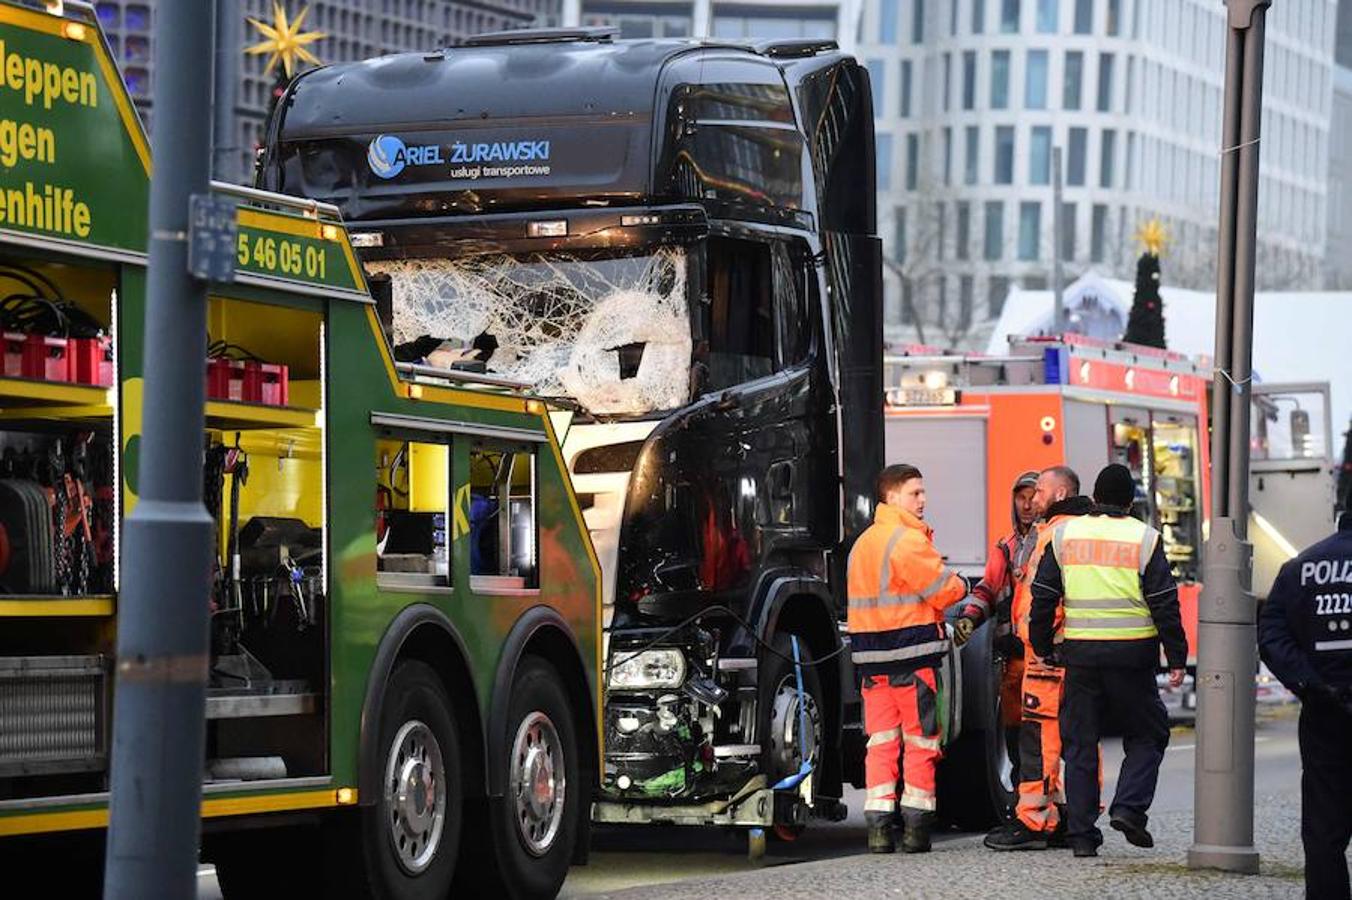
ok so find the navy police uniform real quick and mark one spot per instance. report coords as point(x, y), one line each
point(1305, 637)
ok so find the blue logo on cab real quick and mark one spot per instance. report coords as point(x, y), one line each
point(388, 155)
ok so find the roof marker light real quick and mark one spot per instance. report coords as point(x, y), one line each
point(1085, 372)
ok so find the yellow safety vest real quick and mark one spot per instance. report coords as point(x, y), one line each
point(1102, 559)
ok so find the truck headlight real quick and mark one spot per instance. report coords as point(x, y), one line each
point(648, 669)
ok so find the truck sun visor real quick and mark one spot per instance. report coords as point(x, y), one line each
point(612, 332)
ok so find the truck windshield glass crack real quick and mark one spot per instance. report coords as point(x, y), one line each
point(610, 331)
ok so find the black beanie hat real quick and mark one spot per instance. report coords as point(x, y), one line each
point(1115, 487)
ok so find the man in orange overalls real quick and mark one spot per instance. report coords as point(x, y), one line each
point(898, 590)
point(1036, 814)
point(994, 594)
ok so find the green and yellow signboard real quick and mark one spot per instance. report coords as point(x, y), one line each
point(66, 123)
point(297, 249)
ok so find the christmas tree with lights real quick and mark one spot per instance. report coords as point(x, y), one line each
point(1145, 324)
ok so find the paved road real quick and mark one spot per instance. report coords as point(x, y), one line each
point(670, 863)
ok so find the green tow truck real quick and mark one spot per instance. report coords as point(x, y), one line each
point(406, 636)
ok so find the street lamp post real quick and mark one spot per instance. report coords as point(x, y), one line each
point(159, 722)
point(1058, 223)
point(225, 134)
point(1227, 647)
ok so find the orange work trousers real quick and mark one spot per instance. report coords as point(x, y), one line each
point(1040, 787)
point(902, 711)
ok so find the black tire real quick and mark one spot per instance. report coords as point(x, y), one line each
point(530, 846)
point(775, 679)
point(62, 864)
point(372, 849)
point(975, 790)
point(265, 864)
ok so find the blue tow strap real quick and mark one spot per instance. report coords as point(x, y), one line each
point(805, 769)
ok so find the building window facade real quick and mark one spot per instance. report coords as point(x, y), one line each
point(1072, 87)
point(1047, 16)
point(1078, 140)
point(1035, 80)
point(1040, 156)
point(972, 151)
point(1098, 233)
point(1030, 230)
point(994, 243)
point(905, 88)
point(1084, 16)
point(1000, 79)
point(887, 21)
point(997, 292)
point(1108, 158)
point(969, 79)
point(883, 149)
point(962, 248)
point(1004, 154)
point(912, 161)
point(1105, 82)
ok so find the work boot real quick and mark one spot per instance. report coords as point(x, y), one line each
point(1132, 825)
point(1083, 846)
point(1016, 836)
point(917, 836)
point(1058, 840)
point(882, 829)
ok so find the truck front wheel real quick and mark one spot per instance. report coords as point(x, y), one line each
point(781, 714)
point(976, 787)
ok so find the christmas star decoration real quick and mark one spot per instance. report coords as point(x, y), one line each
point(1152, 236)
point(284, 40)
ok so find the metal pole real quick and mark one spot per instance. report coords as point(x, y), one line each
point(1058, 236)
point(162, 644)
point(1227, 653)
point(225, 133)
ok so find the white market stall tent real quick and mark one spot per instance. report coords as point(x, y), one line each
point(1299, 336)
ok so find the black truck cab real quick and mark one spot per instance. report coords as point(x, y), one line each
point(677, 240)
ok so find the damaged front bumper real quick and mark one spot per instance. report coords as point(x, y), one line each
point(664, 723)
point(755, 806)
point(682, 741)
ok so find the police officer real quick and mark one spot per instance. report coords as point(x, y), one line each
point(1305, 637)
point(1109, 574)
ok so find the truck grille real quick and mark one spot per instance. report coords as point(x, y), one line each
point(53, 714)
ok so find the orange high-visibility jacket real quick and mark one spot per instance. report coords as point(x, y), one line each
point(898, 590)
point(1023, 591)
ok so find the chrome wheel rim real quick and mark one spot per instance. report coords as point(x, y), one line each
point(415, 796)
point(538, 783)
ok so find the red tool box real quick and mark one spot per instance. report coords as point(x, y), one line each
point(37, 356)
point(247, 381)
point(92, 360)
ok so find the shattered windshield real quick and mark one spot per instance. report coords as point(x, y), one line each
point(609, 331)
